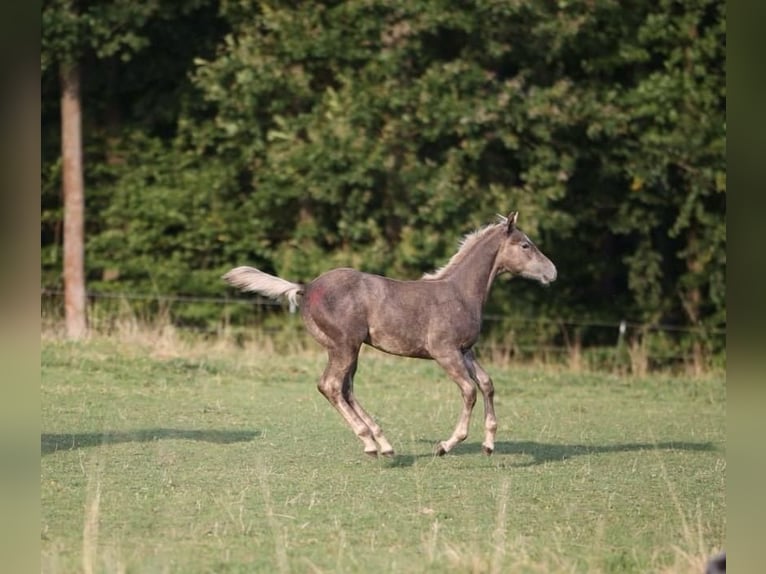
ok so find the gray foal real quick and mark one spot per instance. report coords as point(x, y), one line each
point(437, 317)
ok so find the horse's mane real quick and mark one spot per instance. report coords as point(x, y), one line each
point(466, 244)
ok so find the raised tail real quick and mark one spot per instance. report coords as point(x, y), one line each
point(250, 279)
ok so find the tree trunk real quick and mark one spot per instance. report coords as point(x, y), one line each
point(74, 203)
point(691, 300)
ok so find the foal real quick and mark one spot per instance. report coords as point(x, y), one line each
point(437, 317)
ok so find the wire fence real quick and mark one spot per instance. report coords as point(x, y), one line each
point(618, 345)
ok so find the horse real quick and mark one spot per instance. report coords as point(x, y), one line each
point(436, 317)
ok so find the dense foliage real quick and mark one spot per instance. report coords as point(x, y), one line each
point(301, 136)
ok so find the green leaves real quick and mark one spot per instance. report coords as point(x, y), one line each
point(375, 134)
point(109, 29)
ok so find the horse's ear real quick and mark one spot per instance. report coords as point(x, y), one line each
point(512, 221)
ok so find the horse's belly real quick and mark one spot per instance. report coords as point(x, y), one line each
point(406, 343)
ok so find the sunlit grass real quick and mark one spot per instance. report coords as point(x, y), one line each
point(165, 457)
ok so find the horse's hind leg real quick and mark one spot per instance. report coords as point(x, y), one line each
point(348, 392)
point(455, 365)
point(488, 391)
point(331, 385)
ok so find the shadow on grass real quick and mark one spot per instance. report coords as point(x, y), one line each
point(50, 443)
point(544, 452)
point(541, 453)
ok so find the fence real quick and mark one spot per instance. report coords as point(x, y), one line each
point(624, 346)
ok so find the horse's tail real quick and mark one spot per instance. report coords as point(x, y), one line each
point(250, 279)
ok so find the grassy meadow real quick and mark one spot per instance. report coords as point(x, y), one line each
point(161, 456)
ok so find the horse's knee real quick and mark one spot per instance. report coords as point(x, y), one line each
point(469, 395)
point(485, 384)
point(329, 390)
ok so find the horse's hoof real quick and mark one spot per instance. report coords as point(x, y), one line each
point(372, 453)
point(487, 450)
point(388, 453)
point(439, 450)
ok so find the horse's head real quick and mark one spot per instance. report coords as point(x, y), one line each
point(519, 256)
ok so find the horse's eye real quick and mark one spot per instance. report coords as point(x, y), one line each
point(525, 245)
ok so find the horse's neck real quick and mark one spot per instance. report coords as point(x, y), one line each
point(475, 273)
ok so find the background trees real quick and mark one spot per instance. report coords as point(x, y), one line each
point(373, 134)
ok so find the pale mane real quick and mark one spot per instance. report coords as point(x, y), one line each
point(465, 247)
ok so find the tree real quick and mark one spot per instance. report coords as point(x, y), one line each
point(678, 172)
point(303, 137)
point(78, 35)
point(75, 298)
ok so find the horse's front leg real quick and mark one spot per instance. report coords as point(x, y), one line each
point(456, 367)
point(484, 381)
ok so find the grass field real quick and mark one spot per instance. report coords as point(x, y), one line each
point(209, 459)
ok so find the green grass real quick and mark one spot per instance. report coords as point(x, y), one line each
point(216, 460)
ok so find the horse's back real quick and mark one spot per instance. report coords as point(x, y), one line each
point(366, 292)
point(349, 307)
point(337, 287)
